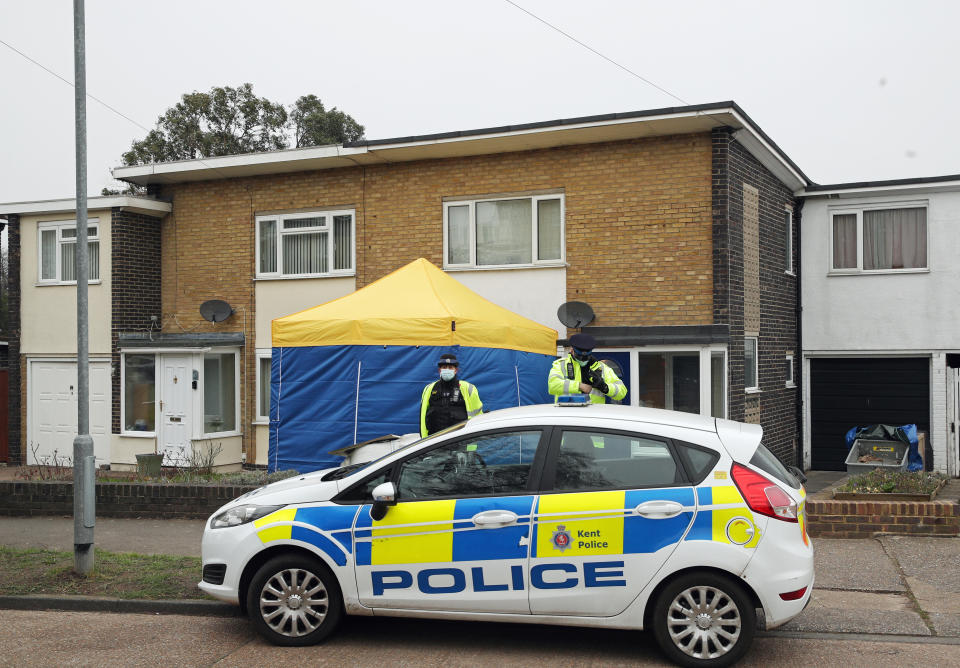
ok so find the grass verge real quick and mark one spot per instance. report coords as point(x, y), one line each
point(32, 571)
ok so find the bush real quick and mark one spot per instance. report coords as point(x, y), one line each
point(886, 481)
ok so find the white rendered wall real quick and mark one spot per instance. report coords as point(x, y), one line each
point(882, 312)
point(532, 293)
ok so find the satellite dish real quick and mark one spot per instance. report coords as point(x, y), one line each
point(575, 314)
point(215, 310)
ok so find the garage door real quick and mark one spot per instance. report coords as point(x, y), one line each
point(853, 392)
point(52, 411)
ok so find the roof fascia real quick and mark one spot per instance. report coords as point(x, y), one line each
point(142, 205)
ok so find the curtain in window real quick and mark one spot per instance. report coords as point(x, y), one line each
point(268, 246)
point(48, 255)
point(548, 229)
point(895, 239)
point(342, 242)
point(458, 235)
point(504, 234)
point(845, 241)
point(68, 263)
point(305, 253)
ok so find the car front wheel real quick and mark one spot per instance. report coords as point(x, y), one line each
point(294, 600)
point(704, 619)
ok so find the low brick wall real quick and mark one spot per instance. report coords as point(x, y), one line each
point(118, 499)
point(830, 518)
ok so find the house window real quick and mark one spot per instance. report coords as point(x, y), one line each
point(879, 239)
point(263, 386)
point(57, 248)
point(515, 231)
point(790, 382)
point(788, 240)
point(139, 393)
point(305, 244)
point(219, 392)
point(750, 364)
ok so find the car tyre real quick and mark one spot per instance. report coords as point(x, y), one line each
point(294, 600)
point(704, 619)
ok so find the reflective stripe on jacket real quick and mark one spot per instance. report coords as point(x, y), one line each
point(470, 396)
point(558, 384)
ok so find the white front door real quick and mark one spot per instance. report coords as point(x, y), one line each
point(52, 412)
point(175, 413)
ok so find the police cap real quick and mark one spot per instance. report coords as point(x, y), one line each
point(448, 360)
point(583, 341)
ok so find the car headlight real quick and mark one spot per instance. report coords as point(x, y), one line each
point(241, 515)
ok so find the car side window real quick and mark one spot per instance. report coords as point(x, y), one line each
point(496, 463)
point(699, 462)
point(599, 460)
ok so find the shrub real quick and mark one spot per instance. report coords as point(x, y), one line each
point(886, 481)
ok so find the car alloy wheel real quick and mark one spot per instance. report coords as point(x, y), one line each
point(704, 620)
point(294, 600)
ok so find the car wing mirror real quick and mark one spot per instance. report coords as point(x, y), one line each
point(798, 473)
point(384, 496)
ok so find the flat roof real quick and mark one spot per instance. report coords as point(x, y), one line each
point(143, 205)
point(483, 141)
point(946, 182)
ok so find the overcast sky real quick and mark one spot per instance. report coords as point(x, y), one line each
point(851, 91)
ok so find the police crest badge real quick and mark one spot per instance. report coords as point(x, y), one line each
point(561, 538)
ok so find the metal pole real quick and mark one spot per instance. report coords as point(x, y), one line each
point(84, 489)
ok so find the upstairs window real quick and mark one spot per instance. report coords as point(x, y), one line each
point(515, 231)
point(788, 240)
point(893, 239)
point(58, 247)
point(751, 364)
point(305, 245)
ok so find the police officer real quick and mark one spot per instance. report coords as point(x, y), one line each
point(581, 373)
point(447, 401)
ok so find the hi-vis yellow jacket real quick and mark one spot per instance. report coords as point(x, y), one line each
point(559, 382)
point(470, 397)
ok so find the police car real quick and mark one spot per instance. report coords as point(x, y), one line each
point(600, 515)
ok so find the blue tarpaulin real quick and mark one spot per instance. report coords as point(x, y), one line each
point(328, 397)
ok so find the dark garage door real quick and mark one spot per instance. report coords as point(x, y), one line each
point(851, 392)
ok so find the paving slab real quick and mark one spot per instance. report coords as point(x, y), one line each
point(855, 564)
point(932, 569)
point(945, 624)
point(836, 620)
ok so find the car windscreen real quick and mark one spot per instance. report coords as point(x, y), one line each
point(765, 460)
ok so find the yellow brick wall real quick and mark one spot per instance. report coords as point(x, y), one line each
point(638, 229)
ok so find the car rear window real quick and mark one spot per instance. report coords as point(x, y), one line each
point(698, 462)
point(765, 460)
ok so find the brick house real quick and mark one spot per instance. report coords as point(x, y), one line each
point(675, 225)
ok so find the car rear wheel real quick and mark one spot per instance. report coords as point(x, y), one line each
point(704, 619)
point(294, 600)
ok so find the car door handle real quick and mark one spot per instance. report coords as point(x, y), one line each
point(495, 518)
point(659, 510)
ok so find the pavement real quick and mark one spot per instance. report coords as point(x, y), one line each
point(888, 586)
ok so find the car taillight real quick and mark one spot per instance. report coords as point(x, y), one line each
point(793, 595)
point(763, 495)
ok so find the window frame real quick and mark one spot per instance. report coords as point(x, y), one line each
point(59, 226)
point(123, 397)
point(328, 228)
point(791, 376)
point(858, 211)
point(788, 240)
point(261, 416)
point(535, 223)
point(756, 363)
point(201, 416)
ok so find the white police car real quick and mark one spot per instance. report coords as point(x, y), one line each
point(601, 515)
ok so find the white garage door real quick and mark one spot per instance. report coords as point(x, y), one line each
point(52, 408)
